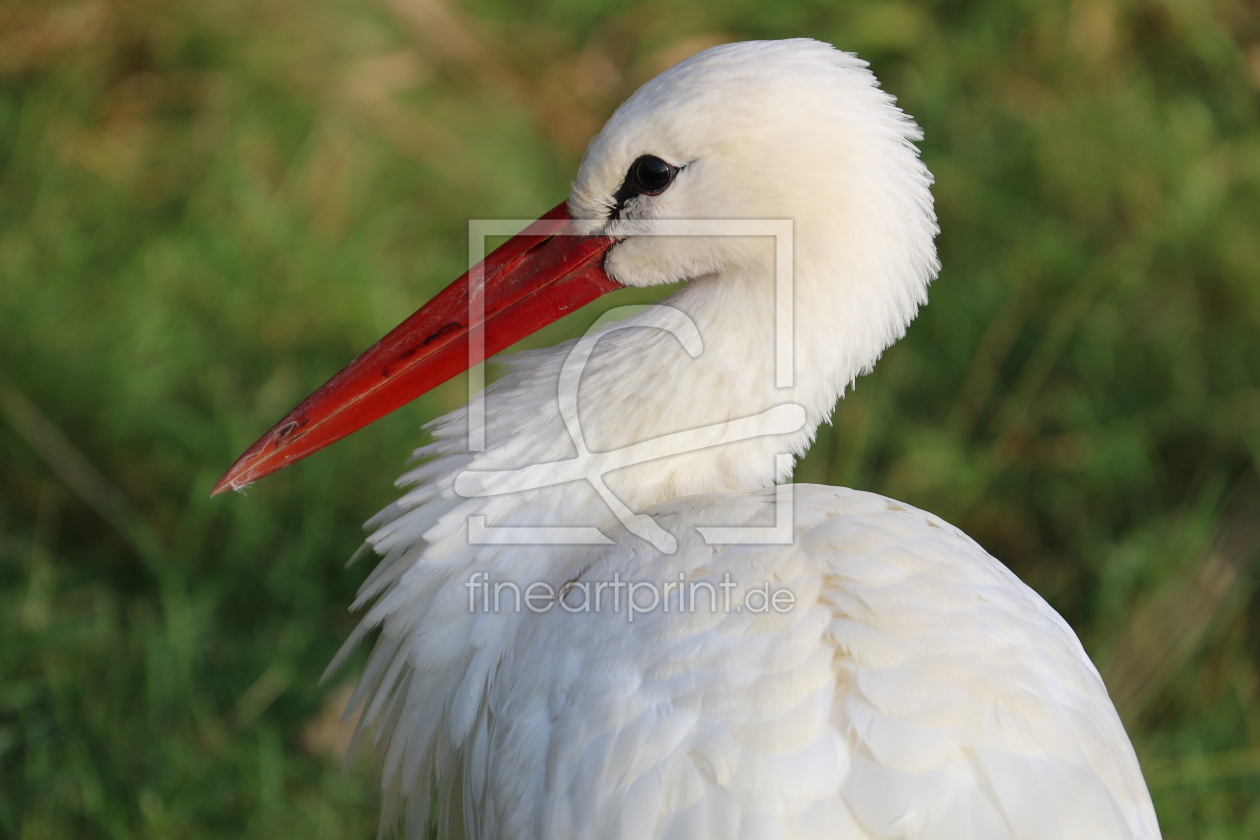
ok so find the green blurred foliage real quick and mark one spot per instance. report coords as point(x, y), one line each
point(207, 208)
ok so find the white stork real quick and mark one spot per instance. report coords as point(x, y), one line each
point(912, 688)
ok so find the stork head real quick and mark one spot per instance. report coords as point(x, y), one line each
point(764, 130)
point(768, 130)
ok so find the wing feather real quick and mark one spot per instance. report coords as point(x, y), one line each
point(917, 690)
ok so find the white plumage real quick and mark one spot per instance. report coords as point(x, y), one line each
point(915, 689)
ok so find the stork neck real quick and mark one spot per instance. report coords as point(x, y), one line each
point(678, 399)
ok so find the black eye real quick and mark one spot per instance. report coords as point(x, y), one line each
point(649, 175)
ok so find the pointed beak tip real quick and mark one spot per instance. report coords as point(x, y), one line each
point(241, 475)
point(228, 482)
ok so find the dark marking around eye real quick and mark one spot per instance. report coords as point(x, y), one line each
point(648, 175)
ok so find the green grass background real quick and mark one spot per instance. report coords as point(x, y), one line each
point(206, 208)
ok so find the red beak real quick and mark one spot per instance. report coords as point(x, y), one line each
point(536, 277)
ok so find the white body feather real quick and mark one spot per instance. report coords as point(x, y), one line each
point(915, 689)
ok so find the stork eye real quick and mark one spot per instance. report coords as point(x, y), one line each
point(649, 175)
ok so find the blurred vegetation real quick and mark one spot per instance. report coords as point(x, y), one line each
point(207, 208)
